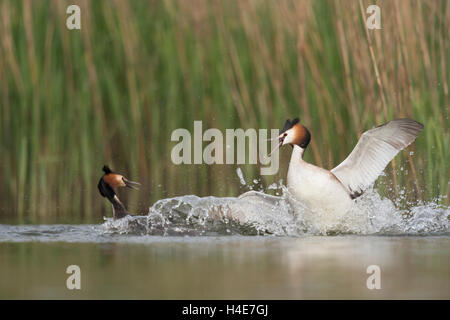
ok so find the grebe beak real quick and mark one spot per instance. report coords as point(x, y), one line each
point(131, 184)
point(287, 126)
point(280, 139)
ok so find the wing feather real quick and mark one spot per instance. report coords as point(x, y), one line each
point(374, 150)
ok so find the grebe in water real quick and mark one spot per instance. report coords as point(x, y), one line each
point(108, 185)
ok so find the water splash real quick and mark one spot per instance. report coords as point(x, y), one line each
point(257, 213)
point(241, 176)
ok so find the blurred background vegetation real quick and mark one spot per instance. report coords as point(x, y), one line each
point(113, 92)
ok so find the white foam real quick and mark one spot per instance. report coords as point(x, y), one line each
point(256, 213)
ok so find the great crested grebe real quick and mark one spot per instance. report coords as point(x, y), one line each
point(334, 190)
point(108, 185)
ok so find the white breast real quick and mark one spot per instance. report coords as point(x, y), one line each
point(315, 187)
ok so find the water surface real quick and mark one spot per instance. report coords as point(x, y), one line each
point(191, 248)
point(222, 267)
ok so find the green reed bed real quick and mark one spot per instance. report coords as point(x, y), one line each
point(114, 91)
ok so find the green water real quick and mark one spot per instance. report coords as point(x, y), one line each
point(235, 267)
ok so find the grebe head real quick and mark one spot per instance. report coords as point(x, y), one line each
point(110, 181)
point(293, 133)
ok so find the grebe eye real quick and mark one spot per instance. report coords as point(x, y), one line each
point(285, 134)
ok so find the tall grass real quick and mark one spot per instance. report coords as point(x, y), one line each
point(113, 91)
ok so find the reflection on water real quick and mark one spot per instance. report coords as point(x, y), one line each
point(233, 267)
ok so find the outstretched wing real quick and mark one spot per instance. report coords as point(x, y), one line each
point(374, 150)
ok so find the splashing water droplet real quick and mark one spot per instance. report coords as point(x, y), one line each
point(241, 176)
